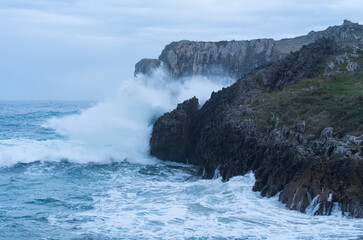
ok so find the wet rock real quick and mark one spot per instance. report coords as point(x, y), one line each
point(171, 132)
point(337, 180)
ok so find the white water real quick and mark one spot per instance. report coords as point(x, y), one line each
point(141, 198)
point(115, 129)
point(206, 209)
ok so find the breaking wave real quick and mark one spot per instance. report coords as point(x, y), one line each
point(115, 129)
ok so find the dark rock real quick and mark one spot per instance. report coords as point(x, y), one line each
point(307, 172)
point(310, 137)
point(171, 132)
point(340, 177)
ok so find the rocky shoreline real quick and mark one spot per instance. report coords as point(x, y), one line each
point(225, 136)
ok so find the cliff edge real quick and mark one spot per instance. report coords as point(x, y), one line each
point(237, 58)
point(296, 123)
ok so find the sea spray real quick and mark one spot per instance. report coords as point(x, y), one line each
point(78, 199)
point(124, 122)
point(115, 129)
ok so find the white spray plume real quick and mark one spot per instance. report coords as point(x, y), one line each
point(119, 127)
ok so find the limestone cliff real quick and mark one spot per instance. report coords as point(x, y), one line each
point(237, 58)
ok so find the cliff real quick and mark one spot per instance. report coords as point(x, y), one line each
point(277, 122)
point(237, 58)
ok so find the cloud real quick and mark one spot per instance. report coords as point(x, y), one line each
point(27, 16)
point(43, 40)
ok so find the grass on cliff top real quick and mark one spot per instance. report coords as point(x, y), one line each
point(335, 101)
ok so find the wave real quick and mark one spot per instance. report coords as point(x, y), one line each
point(115, 129)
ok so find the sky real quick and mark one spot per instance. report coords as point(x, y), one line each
point(83, 49)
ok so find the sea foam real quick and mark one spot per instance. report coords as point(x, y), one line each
point(115, 129)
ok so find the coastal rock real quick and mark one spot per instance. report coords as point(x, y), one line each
point(171, 132)
point(312, 175)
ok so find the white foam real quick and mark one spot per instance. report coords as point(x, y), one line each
point(117, 128)
point(205, 209)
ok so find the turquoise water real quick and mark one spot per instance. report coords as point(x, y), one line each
point(59, 182)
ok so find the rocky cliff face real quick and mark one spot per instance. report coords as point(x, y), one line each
point(146, 66)
point(237, 58)
point(234, 58)
point(312, 174)
point(177, 123)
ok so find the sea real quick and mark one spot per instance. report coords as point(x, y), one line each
point(82, 170)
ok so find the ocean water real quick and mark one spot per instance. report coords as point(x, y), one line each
point(81, 170)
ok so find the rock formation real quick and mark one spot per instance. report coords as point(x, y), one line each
point(311, 174)
point(146, 66)
point(177, 123)
point(237, 58)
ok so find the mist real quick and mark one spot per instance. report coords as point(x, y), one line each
point(117, 128)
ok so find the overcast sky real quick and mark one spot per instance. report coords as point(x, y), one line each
point(83, 49)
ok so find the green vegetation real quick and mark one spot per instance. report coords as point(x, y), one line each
point(335, 101)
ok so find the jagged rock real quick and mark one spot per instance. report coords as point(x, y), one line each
point(285, 132)
point(339, 178)
point(358, 141)
point(326, 133)
point(146, 66)
point(301, 127)
point(171, 132)
point(307, 172)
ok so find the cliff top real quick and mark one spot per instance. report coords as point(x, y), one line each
point(237, 58)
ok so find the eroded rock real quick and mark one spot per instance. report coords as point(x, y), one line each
point(171, 132)
point(307, 171)
point(237, 58)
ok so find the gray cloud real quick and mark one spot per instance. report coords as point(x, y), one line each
point(82, 49)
